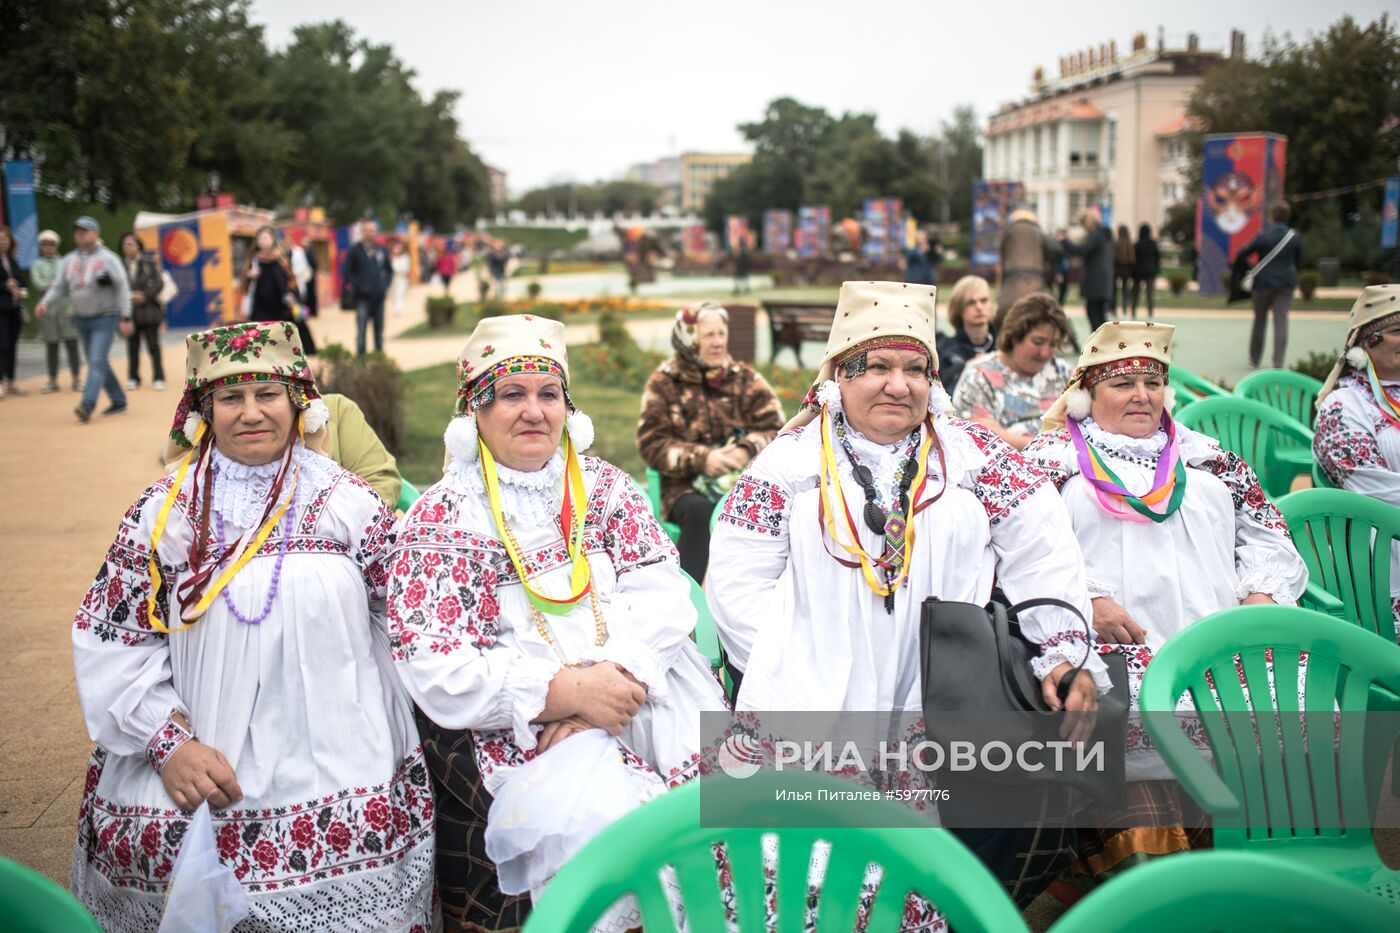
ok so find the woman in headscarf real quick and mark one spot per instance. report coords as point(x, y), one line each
point(1173, 528)
point(533, 601)
point(1357, 437)
point(233, 650)
point(705, 416)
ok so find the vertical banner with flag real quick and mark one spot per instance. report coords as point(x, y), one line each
point(991, 201)
point(198, 254)
point(1241, 176)
point(777, 231)
point(813, 231)
point(1390, 213)
point(883, 224)
point(693, 240)
point(22, 211)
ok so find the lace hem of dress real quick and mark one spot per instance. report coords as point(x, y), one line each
point(241, 489)
point(531, 497)
point(1266, 580)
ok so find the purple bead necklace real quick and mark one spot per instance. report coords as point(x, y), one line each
point(276, 571)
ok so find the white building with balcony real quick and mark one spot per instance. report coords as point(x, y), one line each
point(1108, 132)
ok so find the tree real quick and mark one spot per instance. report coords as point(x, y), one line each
point(628, 197)
point(957, 155)
point(790, 130)
point(447, 183)
point(766, 182)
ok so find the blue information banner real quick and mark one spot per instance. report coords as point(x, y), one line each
point(23, 212)
point(1390, 213)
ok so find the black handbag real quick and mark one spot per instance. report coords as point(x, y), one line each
point(975, 660)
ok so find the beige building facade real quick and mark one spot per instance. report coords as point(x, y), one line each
point(700, 171)
point(1109, 132)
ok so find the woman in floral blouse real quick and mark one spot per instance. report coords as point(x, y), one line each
point(537, 613)
point(1009, 391)
point(232, 650)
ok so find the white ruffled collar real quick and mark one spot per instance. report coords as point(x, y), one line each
point(240, 490)
point(1150, 447)
point(533, 497)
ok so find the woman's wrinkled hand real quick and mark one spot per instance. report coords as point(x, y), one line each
point(1081, 704)
point(195, 772)
point(609, 697)
point(555, 732)
point(1114, 626)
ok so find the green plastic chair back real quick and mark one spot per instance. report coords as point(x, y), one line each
point(1292, 393)
point(673, 531)
point(1297, 793)
point(1258, 434)
point(1191, 387)
point(1320, 478)
point(408, 494)
point(31, 903)
point(1345, 538)
point(706, 635)
point(627, 857)
point(1228, 892)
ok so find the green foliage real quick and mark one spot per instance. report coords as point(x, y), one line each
point(1308, 281)
point(441, 310)
point(1177, 280)
point(533, 290)
point(539, 240)
point(374, 382)
point(609, 197)
point(615, 360)
point(1317, 364)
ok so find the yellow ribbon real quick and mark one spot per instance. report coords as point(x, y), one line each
point(573, 479)
point(828, 469)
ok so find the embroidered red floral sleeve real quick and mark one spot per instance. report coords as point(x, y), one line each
point(163, 744)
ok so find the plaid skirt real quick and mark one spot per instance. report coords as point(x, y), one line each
point(472, 901)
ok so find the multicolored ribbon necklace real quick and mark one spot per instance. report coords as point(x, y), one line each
point(1108, 492)
point(867, 563)
point(570, 523)
point(1388, 405)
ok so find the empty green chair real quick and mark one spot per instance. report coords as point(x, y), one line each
point(408, 494)
point(673, 531)
point(1191, 387)
point(627, 857)
point(1298, 793)
point(1255, 432)
point(706, 635)
point(1292, 393)
point(1345, 538)
point(31, 903)
point(1225, 892)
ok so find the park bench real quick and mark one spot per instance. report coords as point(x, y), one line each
point(792, 322)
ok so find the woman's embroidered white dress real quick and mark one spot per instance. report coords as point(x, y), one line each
point(335, 828)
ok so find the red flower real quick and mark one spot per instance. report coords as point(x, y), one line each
point(377, 813)
point(93, 773)
point(449, 609)
point(432, 559)
point(487, 609)
point(164, 867)
point(150, 839)
point(428, 809)
point(303, 831)
point(402, 566)
point(413, 594)
point(241, 341)
point(461, 571)
point(124, 852)
point(265, 854)
point(338, 836)
point(114, 592)
point(109, 832)
point(227, 841)
point(401, 821)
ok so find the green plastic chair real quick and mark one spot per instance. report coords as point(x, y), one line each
point(673, 531)
point(1256, 433)
point(408, 494)
point(1345, 538)
point(1228, 892)
point(1191, 387)
point(1320, 478)
point(706, 635)
point(1292, 393)
point(1304, 796)
point(31, 903)
point(627, 857)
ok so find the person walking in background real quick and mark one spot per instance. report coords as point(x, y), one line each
point(1096, 249)
point(271, 287)
point(12, 311)
point(147, 316)
point(1278, 250)
point(56, 327)
point(369, 272)
point(1124, 257)
point(1147, 263)
point(304, 271)
point(446, 268)
point(401, 267)
point(496, 261)
point(1061, 268)
point(918, 266)
point(95, 285)
point(741, 266)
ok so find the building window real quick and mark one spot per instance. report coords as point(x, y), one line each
point(1112, 142)
point(1084, 144)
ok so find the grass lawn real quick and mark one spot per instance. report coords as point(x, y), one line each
point(431, 394)
point(465, 320)
point(539, 239)
point(531, 267)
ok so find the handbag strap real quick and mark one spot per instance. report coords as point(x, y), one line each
point(1015, 610)
point(1283, 241)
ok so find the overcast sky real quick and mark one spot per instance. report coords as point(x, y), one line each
point(568, 89)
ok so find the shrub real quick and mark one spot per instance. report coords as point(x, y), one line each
point(1375, 278)
point(616, 359)
point(1317, 364)
point(533, 290)
point(494, 308)
point(441, 310)
point(374, 382)
point(1177, 281)
point(1308, 281)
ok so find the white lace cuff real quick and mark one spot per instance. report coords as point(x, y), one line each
point(636, 658)
point(527, 688)
point(1099, 588)
point(1069, 647)
point(1262, 578)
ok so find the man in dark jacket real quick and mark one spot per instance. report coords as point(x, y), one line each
point(368, 270)
point(1096, 249)
point(1274, 283)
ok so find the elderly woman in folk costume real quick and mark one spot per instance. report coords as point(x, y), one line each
point(1173, 529)
point(1357, 437)
point(232, 650)
point(538, 617)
